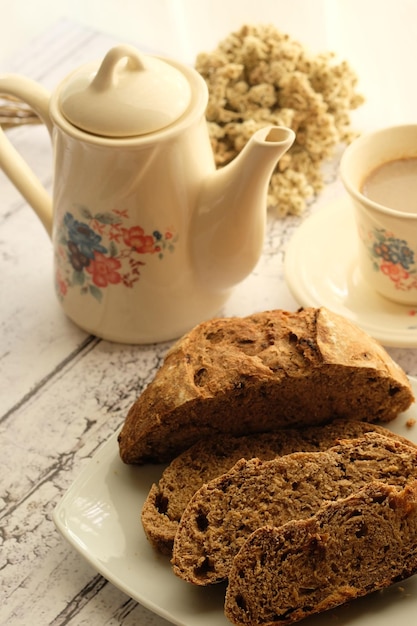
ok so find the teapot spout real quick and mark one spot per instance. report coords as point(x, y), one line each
point(230, 219)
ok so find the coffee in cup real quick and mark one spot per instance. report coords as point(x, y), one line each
point(394, 184)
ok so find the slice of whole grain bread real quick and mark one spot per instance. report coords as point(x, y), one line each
point(209, 458)
point(224, 512)
point(264, 372)
point(349, 548)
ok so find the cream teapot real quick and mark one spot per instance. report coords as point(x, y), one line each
point(149, 239)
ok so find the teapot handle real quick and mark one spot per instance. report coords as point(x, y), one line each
point(11, 162)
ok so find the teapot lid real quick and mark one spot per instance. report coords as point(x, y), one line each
point(131, 94)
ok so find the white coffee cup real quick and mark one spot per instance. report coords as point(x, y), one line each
point(387, 236)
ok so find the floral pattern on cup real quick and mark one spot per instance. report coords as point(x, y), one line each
point(99, 250)
point(393, 257)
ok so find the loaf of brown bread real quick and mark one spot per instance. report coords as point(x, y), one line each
point(348, 549)
point(267, 371)
point(209, 458)
point(224, 512)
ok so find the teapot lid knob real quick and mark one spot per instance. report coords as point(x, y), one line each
point(129, 95)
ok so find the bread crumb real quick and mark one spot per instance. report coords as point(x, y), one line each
point(410, 422)
point(259, 76)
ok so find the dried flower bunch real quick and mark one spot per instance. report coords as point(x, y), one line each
point(259, 76)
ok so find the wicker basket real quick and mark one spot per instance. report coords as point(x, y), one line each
point(13, 112)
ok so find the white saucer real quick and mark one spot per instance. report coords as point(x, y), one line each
point(321, 270)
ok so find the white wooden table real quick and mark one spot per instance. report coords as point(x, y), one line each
point(63, 393)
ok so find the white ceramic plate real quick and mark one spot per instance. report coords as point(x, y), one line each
point(321, 270)
point(100, 516)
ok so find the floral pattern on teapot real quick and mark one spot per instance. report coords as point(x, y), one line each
point(99, 250)
point(393, 257)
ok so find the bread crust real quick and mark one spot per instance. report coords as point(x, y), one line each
point(224, 512)
point(260, 373)
point(209, 458)
point(348, 549)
